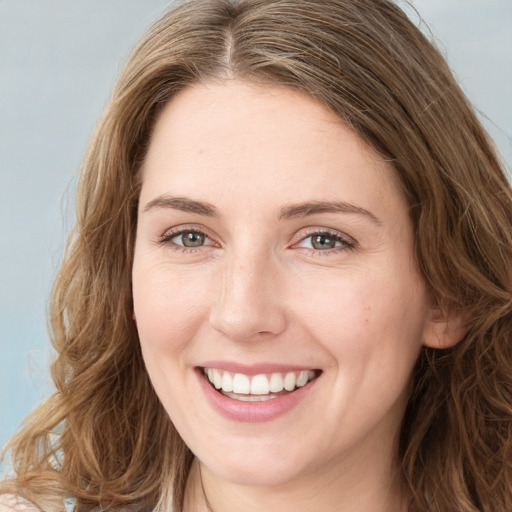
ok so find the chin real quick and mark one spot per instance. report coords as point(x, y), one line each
point(258, 466)
point(255, 475)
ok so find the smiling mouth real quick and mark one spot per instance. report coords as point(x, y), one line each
point(257, 388)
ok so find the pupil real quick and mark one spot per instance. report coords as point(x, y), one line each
point(191, 239)
point(323, 242)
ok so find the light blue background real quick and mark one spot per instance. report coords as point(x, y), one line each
point(58, 61)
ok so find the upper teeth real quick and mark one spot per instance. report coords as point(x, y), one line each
point(260, 384)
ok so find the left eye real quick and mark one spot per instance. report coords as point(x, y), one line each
point(190, 238)
point(323, 241)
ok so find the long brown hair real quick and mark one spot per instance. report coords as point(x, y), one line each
point(103, 437)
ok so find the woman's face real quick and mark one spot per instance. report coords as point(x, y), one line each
point(274, 249)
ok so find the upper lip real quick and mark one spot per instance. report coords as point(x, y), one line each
point(255, 369)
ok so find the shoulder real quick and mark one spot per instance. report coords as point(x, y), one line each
point(13, 503)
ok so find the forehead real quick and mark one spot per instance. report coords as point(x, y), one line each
point(234, 139)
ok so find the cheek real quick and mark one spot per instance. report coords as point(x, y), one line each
point(167, 317)
point(168, 309)
point(366, 317)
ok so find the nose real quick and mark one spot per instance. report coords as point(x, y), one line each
point(249, 303)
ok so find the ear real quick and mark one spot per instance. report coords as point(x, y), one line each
point(444, 330)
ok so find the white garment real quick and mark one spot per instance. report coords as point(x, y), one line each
point(12, 503)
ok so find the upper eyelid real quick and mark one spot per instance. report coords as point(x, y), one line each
point(176, 230)
point(322, 230)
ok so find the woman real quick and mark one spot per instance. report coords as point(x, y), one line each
point(289, 286)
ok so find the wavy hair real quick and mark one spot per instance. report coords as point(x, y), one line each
point(103, 437)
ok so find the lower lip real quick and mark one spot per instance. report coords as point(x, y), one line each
point(252, 412)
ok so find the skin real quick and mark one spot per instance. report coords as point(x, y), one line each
point(258, 291)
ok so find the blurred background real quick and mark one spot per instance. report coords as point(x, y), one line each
point(58, 62)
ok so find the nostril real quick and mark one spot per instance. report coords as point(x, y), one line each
point(247, 323)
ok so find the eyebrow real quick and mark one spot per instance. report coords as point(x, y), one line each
point(313, 207)
point(184, 204)
point(292, 211)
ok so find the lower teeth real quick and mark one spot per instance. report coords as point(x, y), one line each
point(248, 398)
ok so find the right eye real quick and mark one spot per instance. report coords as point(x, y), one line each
point(184, 239)
point(189, 238)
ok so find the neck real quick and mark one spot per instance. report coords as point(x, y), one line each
point(365, 490)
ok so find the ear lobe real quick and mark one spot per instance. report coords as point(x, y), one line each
point(444, 331)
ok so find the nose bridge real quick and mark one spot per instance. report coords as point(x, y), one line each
point(247, 304)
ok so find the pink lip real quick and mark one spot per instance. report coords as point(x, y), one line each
point(252, 412)
point(253, 369)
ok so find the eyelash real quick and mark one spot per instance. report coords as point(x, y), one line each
point(346, 242)
point(166, 238)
